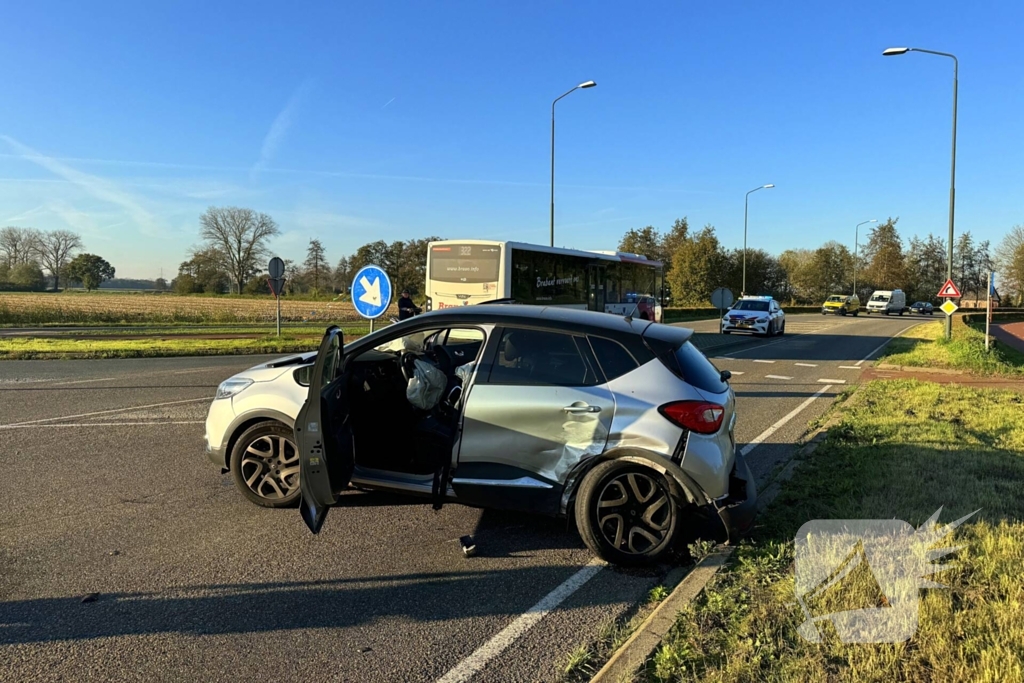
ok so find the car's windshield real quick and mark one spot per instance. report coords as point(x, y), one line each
point(880, 297)
point(837, 298)
point(751, 306)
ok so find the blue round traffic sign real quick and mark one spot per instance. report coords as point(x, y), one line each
point(371, 292)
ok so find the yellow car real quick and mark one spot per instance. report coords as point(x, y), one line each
point(841, 304)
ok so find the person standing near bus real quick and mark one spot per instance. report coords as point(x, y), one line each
point(406, 307)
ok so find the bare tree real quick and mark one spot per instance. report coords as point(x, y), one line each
point(55, 250)
point(19, 245)
point(240, 237)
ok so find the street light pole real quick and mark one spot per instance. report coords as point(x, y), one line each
point(892, 51)
point(856, 243)
point(587, 84)
point(746, 201)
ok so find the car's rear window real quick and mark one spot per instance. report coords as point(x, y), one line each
point(698, 371)
point(613, 357)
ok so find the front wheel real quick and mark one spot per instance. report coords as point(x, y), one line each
point(265, 465)
point(626, 513)
point(782, 329)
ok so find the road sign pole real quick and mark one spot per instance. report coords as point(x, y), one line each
point(988, 310)
point(278, 316)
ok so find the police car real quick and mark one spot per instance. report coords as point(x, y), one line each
point(759, 315)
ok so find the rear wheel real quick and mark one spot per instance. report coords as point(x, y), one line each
point(265, 465)
point(626, 513)
point(856, 313)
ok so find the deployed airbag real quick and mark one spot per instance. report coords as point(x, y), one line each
point(425, 386)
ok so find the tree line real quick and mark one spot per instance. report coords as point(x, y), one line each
point(25, 253)
point(235, 248)
point(696, 264)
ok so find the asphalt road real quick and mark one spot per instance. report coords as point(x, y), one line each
point(107, 491)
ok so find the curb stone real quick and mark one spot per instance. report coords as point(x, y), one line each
point(648, 636)
point(635, 651)
point(912, 368)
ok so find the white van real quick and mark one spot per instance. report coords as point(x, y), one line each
point(886, 301)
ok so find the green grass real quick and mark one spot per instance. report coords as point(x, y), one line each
point(900, 450)
point(48, 349)
point(924, 346)
point(149, 330)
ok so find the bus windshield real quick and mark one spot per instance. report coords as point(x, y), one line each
point(469, 263)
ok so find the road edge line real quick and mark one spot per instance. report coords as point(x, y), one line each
point(475, 663)
point(635, 651)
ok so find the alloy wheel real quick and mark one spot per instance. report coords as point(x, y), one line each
point(270, 466)
point(634, 513)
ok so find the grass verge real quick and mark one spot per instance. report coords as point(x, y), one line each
point(924, 346)
point(901, 449)
point(64, 349)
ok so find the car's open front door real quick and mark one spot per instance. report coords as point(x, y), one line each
point(323, 434)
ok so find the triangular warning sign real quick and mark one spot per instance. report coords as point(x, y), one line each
point(949, 290)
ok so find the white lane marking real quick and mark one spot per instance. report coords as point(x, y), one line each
point(757, 440)
point(736, 372)
point(832, 381)
point(882, 345)
point(776, 377)
point(85, 381)
point(107, 412)
point(103, 424)
point(475, 663)
point(764, 361)
point(849, 367)
point(807, 365)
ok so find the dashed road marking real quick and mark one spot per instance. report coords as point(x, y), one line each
point(764, 361)
point(776, 377)
point(832, 381)
point(849, 367)
point(736, 372)
point(807, 365)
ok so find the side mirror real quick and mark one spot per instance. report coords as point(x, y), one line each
point(725, 375)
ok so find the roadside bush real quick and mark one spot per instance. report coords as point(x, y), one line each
point(29, 276)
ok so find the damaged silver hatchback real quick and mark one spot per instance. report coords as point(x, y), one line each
point(621, 425)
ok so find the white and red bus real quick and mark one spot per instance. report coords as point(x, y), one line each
point(463, 272)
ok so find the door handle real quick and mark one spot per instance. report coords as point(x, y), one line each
point(581, 409)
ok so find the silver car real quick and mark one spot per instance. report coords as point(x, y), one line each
point(619, 424)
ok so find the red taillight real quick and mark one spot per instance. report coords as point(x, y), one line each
point(697, 416)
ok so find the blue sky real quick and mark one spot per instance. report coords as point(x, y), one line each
point(359, 121)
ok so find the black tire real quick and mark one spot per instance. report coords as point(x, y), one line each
point(842, 312)
point(856, 313)
point(782, 330)
point(265, 465)
point(726, 332)
point(901, 311)
point(642, 493)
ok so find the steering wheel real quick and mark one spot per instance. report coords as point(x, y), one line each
point(407, 363)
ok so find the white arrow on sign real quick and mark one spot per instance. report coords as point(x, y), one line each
point(372, 294)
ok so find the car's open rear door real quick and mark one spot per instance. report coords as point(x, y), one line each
point(323, 434)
